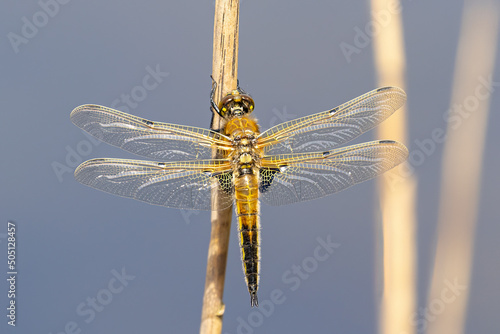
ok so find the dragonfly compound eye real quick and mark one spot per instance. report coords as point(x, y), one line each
point(248, 103)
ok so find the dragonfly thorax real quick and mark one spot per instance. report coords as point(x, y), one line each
point(241, 128)
point(243, 132)
point(245, 158)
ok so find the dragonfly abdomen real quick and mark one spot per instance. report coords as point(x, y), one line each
point(247, 211)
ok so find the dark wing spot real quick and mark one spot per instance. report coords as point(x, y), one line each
point(386, 141)
point(225, 181)
point(383, 88)
point(266, 178)
point(148, 123)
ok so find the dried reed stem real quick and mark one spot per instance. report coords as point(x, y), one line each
point(461, 166)
point(225, 73)
point(397, 190)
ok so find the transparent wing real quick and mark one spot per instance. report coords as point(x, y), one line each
point(155, 140)
point(291, 178)
point(183, 185)
point(329, 129)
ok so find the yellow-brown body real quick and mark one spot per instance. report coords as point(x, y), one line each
point(246, 164)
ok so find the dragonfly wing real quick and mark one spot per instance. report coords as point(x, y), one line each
point(291, 178)
point(155, 140)
point(183, 185)
point(328, 129)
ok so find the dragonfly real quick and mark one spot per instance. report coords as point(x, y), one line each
point(295, 161)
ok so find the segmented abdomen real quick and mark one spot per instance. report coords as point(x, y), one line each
point(247, 210)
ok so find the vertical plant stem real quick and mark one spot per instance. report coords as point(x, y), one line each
point(462, 165)
point(397, 189)
point(225, 74)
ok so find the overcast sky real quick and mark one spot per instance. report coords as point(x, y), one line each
point(144, 266)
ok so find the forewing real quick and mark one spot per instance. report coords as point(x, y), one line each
point(291, 178)
point(155, 140)
point(182, 185)
point(328, 129)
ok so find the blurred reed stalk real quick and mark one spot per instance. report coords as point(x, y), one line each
point(397, 189)
point(461, 167)
point(225, 74)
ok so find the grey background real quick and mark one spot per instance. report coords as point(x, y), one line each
point(71, 237)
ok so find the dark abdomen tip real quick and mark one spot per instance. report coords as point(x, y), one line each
point(254, 301)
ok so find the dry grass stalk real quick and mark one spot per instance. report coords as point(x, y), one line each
point(461, 167)
point(225, 73)
point(397, 190)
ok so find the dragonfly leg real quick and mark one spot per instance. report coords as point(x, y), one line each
point(238, 88)
point(213, 105)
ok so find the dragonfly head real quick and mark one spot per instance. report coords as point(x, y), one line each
point(236, 104)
